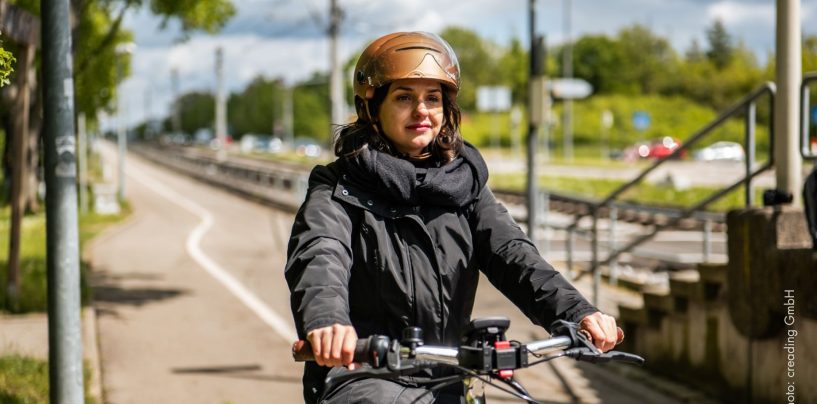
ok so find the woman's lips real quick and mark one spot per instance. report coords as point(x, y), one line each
point(420, 126)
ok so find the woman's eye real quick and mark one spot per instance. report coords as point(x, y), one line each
point(433, 99)
point(403, 97)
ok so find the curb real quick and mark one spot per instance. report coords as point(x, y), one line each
point(91, 350)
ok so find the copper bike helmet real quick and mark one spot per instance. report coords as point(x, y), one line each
point(404, 55)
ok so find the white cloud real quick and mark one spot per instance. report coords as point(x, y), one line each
point(736, 13)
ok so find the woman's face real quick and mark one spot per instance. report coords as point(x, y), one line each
point(412, 114)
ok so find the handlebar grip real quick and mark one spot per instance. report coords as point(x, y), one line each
point(371, 350)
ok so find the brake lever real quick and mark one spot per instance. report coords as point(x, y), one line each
point(587, 355)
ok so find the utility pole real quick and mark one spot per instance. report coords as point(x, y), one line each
point(536, 93)
point(221, 106)
point(787, 161)
point(176, 120)
point(62, 230)
point(289, 130)
point(122, 50)
point(567, 72)
point(335, 77)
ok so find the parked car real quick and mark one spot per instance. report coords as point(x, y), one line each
point(721, 151)
point(253, 142)
point(308, 147)
point(655, 149)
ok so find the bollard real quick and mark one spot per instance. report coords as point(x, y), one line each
point(707, 240)
point(569, 252)
point(612, 244)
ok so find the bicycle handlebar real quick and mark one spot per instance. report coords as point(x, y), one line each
point(485, 351)
point(373, 350)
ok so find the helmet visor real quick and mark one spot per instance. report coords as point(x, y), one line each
point(423, 55)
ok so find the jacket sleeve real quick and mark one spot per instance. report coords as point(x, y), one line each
point(514, 266)
point(319, 257)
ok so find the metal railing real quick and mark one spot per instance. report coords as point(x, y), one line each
point(747, 106)
point(284, 189)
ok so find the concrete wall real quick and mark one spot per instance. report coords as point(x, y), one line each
point(723, 328)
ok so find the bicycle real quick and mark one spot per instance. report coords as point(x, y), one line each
point(485, 355)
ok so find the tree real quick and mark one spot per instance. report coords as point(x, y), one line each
point(196, 110)
point(599, 60)
point(477, 63)
point(258, 109)
point(721, 49)
point(648, 61)
point(512, 70)
point(695, 53)
point(311, 107)
point(6, 65)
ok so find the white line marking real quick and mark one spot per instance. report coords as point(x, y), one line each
point(255, 304)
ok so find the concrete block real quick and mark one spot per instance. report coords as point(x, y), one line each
point(660, 301)
point(686, 284)
point(632, 315)
point(714, 280)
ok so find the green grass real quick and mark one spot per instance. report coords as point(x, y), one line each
point(33, 286)
point(644, 193)
point(33, 273)
point(24, 380)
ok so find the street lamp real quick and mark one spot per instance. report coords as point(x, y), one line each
point(122, 49)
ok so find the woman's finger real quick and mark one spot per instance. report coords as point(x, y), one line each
point(349, 345)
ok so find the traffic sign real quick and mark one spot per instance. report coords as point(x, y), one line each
point(493, 98)
point(607, 119)
point(570, 88)
point(641, 120)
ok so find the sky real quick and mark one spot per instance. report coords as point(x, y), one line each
point(287, 38)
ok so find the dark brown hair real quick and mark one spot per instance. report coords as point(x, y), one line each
point(353, 138)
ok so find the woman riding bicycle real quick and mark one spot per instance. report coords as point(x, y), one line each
point(395, 231)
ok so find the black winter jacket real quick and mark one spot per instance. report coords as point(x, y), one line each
point(382, 245)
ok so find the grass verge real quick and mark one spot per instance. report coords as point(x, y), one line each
point(644, 193)
point(33, 272)
point(24, 380)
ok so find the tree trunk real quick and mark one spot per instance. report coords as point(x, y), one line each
point(19, 165)
point(35, 128)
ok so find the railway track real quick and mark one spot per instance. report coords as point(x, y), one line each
point(248, 175)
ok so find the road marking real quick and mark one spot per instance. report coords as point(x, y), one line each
point(255, 304)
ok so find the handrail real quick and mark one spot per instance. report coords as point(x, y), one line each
point(746, 105)
point(805, 116)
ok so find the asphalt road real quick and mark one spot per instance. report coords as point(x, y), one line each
point(193, 307)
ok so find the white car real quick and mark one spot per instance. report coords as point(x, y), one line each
point(720, 151)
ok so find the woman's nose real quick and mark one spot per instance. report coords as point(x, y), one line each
point(421, 109)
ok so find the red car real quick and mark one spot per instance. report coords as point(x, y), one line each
point(655, 149)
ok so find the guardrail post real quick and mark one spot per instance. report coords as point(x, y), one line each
point(751, 111)
point(707, 240)
point(595, 253)
point(569, 241)
point(544, 206)
point(612, 243)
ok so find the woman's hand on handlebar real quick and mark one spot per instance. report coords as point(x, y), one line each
point(334, 345)
point(602, 330)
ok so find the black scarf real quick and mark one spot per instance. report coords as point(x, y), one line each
point(455, 184)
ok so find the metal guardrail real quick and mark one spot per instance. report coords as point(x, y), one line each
point(747, 105)
point(806, 150)
point(283, 189)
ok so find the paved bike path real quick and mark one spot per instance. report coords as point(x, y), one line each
point(169, 331)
